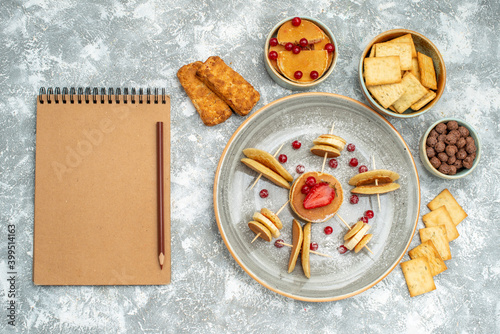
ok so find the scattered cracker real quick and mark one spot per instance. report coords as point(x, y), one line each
point(438, 236)
point(418, 276)
point(429, 251)
point(454, 209)
point(440, 216)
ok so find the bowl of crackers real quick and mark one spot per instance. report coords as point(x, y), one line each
point(450, 149)
point(402, 74)
point(300, 53)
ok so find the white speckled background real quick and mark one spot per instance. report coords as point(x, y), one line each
point(142, 44)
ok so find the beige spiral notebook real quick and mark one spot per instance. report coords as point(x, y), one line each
point(96, 188)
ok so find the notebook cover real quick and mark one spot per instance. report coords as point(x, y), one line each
point(96, 193)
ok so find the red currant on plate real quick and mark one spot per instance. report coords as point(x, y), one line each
point(363, 169)
point(333, 163)
point(314, 75)
point(342, 249)
point(329, 47)
point(303, 42)
point(296, 49)
point(296, 144)
point(297, 75)
point(328, 230)
point(282, 158)
point(363, 219)
point(296, 21)
point(273, 55)
point(313, 246)
point(354, 199)
point(264, 193)
point(273, 41)
point(279, 243)
point(351, 147)
point(353, 162)
point(369, 214)
point(288, 46)
point(305, 189)
point(300, 169)
point(311, 181)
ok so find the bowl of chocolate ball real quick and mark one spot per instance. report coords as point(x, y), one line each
point(450, 149)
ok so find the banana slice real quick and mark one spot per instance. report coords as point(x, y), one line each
point(382, 175)
point(373, 189)
point(357, 237)
point(320, 150)
point(354, 229)
point(306, 266)
point(257, 216)
point(272, 217)
point(363, 242)
point(269, 161)
point(266, 172)
point(258, 228)
point(297, 236)
point(330, 140)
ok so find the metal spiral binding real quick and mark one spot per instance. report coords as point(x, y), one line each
point(90, 95)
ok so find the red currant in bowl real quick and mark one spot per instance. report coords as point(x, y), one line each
point(329, 47)
point(303, 42)
point(288, 46)
point(273, 41)
point(296, 49)
point(273, 55)
point(314, 75)
point(297, 75)
point(296, 21)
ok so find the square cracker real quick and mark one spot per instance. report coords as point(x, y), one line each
point(438, 236)
point(210, 107)
point(424, 100)
point(406, 39)
point(418, 276)
point(454, 209)
point(429, 251)
point(403, 50)
point(414, 91)
point(386, 95)
point(382, 70)
point(427, 72)
point(440, 216)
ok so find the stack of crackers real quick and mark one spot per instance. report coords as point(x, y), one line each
point(398, 76)
point(427, 259)
point(215, 89)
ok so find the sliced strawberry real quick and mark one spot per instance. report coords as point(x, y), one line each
point(321, 194)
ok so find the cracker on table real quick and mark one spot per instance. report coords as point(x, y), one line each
point(382, 70)
point(438, 236)
point(403, 50)
point(386, 95)
point(211, 108)
point(414, 91)
point(427, 72)
point(440, 216)
point(454, 209)
point(229, 85)
point(429, 251)
point(418, 276)
point(428, 97)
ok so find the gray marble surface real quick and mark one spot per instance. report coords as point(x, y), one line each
point(143, 44)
